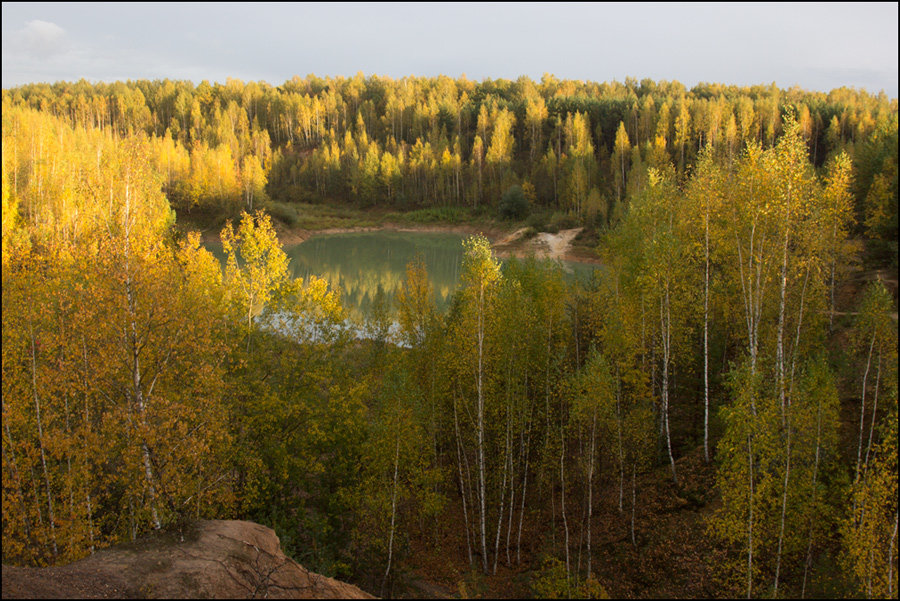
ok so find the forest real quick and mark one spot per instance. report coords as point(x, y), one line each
point(745, 320)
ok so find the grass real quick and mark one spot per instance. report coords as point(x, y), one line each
point(327, 216)
point(321, 216)
point(432, 215)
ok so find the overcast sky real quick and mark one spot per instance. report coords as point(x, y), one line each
point(816, 46)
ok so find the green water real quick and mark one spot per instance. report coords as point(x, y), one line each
point(362, 262)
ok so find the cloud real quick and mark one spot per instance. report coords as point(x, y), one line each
point(41, 39)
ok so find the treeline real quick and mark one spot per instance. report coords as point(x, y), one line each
point(144, 385)
point(577, 147)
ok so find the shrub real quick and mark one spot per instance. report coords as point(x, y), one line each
point(283, 212)
point(563, 221)
point(538, 220)
point(513, 204)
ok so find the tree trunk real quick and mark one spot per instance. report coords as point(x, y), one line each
point(862, 410)
point(874, 409)
point(787, 476)
point(500, 516)
point(393, 509)
point(481, 482)
point(462, 487)
point(15, 472)
point(814, 493)
point(706, 343)
point(633, 502)
point(665, 333)
point(40, 433)
point(524, 490)
point(590, 507)
point(562, 479)
point(619, 436)
point(831, 291)
point(750, 523)
point(890, 578)
point(135, 348)
point(779, 343)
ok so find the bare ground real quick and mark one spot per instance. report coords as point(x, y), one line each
point(219, 558)
point(543, 245)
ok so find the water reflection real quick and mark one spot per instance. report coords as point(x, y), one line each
point(361, 263)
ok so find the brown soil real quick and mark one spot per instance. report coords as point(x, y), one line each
point(673, 555)
point(544, 245)
point(220, 558)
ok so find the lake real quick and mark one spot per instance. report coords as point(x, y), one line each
point(360, 263)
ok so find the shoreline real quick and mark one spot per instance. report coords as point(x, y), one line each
point(505, 241)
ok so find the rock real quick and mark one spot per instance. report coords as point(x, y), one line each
point(218, 558)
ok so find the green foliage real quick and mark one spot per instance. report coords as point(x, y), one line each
point(256, 266)
point(870, 530)
point(440, 142)
point(513, 204)
point(551, 582)
point(431, 215)
point(133, 397)
point(284, 212)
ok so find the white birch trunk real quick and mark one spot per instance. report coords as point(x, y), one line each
point(787, 476)
point(814, 493)
point(462, 487)
point(524, 490)
point(590, 507)
point(15, 472)
point(633, 502)
point(619, 436)
point(779, 343)
point(891, 559)
point(750, 523)
point(393, 510)
point(706, 343)
point(874, 409)
point(665, 333)
point(40, 432)
point(137, 393)
point(862, 410)
point(481, 481)
point(562, 479)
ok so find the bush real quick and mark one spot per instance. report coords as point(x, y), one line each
point(538, 220)
point(551, 582)
point(283, 212)
point(513, 204)
point(432, 215)
point(563, 221)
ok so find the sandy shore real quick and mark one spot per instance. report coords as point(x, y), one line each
point(544, 245)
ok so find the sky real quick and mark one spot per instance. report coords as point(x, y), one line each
point(815, 46)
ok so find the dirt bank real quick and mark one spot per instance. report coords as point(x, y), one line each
point(214, 559)
point(544, 245)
